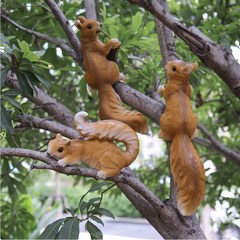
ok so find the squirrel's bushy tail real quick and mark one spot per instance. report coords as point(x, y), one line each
point(110, 107)
point(188, 174)
point(108, 130)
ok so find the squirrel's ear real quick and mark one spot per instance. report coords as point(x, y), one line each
point(58, 135)
point(81, 19)
point(68, 143)
point(188, 68)
point(194, 66)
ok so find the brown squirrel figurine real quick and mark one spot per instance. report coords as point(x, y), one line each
point(179, 125)
point(98, 149)
point(101, 74)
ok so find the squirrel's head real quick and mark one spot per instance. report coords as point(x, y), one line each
point(58, 147)
point(89, 28)
point(178, 70)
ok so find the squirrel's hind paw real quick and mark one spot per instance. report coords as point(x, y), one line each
point(101, 174)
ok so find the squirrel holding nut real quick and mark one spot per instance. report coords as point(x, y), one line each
point(179, 125)
point(98, 149)
point(101, 73)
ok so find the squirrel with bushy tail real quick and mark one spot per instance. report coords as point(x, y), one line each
point(101, 73)
point(179, 125)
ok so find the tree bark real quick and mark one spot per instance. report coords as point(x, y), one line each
point(163, 216)
point(213, 55)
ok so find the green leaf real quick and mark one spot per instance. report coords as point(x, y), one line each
point(39, 53)
point(72, 210)
point(27, 53)
point(82, 206)
point(105, 212)
point(6, 121)
point(4, 72)
point(97, 186)
point(97, 219)
point(136, 21)
point(70, 229)
point(92, 202)
point(24, 83)
point(52, 229)
point(13, 102)
point(19, 186)
point(94, 231)
point(43, 80)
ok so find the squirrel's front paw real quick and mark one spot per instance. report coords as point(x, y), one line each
point(115, 43)
point(161, 88)
point(62, 163)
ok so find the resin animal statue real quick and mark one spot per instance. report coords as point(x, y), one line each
point(101, 73)
point(179, 125)
point(98, 149)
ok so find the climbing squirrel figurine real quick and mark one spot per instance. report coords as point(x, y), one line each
point(179, 125)
point(97, 149)
point(101, 74)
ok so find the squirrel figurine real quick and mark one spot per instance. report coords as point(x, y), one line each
point(101, 73)
point(179, 125)
point(97, 149)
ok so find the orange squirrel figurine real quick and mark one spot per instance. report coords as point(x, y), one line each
point(98, 149)
point(179, 124)
point(101, 74)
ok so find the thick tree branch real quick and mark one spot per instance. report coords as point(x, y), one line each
point(49, 39)
point(73, 40)
point(126, 175)
point(165, 39)
point(214, 56)
point(148, 106)
point(90, 9)
point(27, 153)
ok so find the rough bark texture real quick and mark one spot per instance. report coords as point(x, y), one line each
point(162, 215)
point(214, 56)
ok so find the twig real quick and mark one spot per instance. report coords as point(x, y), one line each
point(55, 41)
point(228, 153)
point(36, 122)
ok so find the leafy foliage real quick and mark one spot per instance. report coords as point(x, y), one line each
point(29, 72)
point(30, 58)
point(16, 217)
point(68, 228)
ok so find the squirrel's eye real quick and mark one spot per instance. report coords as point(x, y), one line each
point(174, 68)
point(89, 26)
point(100, 25)
point(60, 149)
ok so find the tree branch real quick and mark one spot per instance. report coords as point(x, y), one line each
point(126, 175)
point(73, 40)
point(139, 101)
point(36, 122)
point(49, 104)
point(228, 153)
point(90, 9)
point(49, 39)
point(214, 56)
